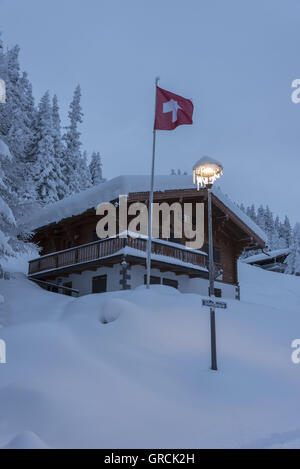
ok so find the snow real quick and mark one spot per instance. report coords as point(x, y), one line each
point(20, 263)
point(133, 234)
point(130, 369)
point(239, 213)
point(4, 150)
point(207, 160)
point(26, 440)
point(261, 287)
point(158, 257)
point(123, 185)
point(6, 212)
point(263, 256)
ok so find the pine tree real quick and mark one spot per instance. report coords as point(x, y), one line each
point(9, 243)
point(61, 182)
point(18, 114)
point(96, 169)
point(276, 239)
point(292, 262)
point(270, 228)
point(260, 219)
point(46, 170)
point(72, 153)
point(251, 212)
point(5, 117)
point(287, 232)
point(85, 173)
point(17, 133)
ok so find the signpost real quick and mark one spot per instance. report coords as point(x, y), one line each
point(214, 304)
point(205, 172)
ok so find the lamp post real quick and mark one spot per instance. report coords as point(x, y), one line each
point(205, 172)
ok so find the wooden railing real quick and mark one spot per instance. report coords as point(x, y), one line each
point(107, 247)
point(56, 288)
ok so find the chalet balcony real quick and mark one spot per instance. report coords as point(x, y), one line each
point(111, 250)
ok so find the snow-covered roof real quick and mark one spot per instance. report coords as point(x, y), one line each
point(239, 213)
point(123, 185)
point(263, 256)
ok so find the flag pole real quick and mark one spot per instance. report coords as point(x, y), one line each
point(149, 240)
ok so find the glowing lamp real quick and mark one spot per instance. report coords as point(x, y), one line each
point(206, 171)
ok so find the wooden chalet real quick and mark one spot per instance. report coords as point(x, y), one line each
point(273, 261)
point(74, 259)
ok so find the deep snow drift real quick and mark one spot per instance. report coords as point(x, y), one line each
point(131, 369)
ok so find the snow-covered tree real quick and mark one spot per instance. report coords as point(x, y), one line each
point(292, 262)
point(279, 234)
point(270, 228)
point(16, 119)
point(278, 241)
point(251, 212)
point(20, 107)
point(86, 180)
point(7, 219)
point(260, 219)
point(286, 231)
point(96, 168)
point(4, 107)
point(72, 153)
point(46, 169)
point(61, 170)
point(242, 207)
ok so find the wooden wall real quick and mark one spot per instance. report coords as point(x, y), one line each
point(81, 229)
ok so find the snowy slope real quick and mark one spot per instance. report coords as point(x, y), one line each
point(131, 369)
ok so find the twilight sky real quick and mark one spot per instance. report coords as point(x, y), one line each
point(235, 59)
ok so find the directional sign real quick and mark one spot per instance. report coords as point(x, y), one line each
point(214, 304)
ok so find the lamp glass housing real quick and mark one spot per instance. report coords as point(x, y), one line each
point(206, 171)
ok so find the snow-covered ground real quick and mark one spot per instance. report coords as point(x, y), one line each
point(131, 369)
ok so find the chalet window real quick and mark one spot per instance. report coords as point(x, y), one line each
point(99, 284)
point(217, 253)
point(170, 283)
point(153, 280)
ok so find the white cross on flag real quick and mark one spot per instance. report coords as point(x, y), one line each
point(172, 110)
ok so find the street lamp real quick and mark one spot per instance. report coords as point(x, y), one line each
point(205, 172)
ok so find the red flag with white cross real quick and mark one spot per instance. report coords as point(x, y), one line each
point(172, 110)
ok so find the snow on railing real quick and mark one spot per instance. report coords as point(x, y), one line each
point(107, 247)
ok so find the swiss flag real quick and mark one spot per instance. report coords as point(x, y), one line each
point(172, 110)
